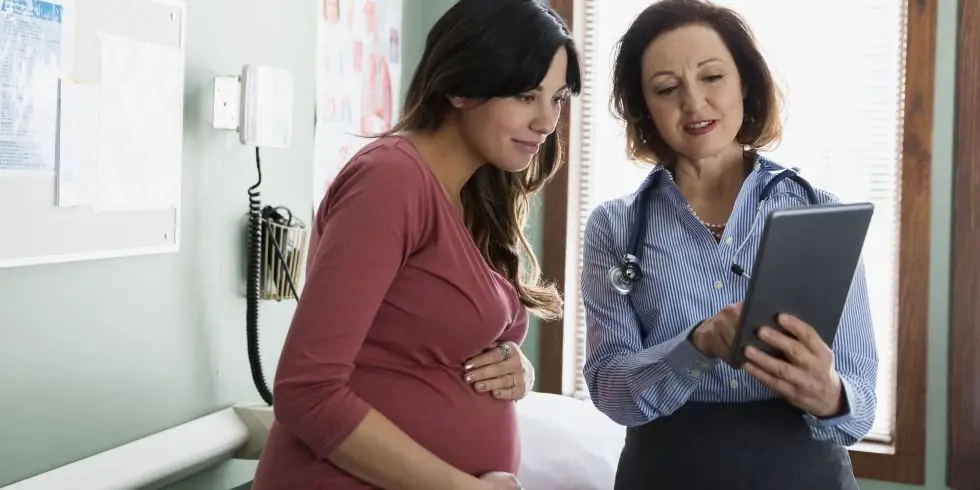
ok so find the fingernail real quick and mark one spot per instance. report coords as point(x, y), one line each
point(496, 392)
point(751, 351)
point(480, 386)
point(468, 366)
point(469, 378)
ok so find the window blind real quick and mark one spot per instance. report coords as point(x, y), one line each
point(840, 67)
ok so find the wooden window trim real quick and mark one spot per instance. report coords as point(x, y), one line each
point(902, 461)
point(963, 458)
point(554, 228)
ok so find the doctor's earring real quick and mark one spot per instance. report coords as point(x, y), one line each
point(643, 127)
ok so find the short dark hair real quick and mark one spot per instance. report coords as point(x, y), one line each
point(483, 49)
point(761, 127)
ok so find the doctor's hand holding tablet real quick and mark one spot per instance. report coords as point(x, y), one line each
point(805, 265)
point(806, 375)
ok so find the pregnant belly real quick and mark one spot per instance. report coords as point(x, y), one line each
point(435, 407)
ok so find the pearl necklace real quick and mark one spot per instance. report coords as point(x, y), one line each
point(716, 230)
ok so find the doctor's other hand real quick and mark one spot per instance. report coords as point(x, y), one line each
point(807, 377)
point(499, 480)
point(714, 336)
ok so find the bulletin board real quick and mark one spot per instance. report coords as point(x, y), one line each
point(91, 128)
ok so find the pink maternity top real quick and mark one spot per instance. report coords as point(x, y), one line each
point(397, 297)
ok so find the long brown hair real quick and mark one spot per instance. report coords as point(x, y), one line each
point(761, 127)
point(483, 49)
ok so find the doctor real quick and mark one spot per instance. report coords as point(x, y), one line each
point(698, 102)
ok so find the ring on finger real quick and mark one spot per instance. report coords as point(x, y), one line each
point(504, 351)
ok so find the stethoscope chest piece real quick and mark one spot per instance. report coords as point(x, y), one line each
point(625, 275)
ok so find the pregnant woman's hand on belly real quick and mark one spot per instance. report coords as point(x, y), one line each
point(503, 371)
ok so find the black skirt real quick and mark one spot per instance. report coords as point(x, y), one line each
point(745, 446)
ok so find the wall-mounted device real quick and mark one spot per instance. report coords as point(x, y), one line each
point(258, 105)
point(266, 107)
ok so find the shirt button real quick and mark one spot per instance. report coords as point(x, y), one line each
point(719, 284)
point(733, 384)
point(728, 241)
point(696, 373)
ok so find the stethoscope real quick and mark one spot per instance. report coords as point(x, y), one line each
point(627, 272)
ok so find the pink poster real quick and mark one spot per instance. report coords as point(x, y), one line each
point(358, 75)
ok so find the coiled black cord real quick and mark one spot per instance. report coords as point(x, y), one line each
point(254, 281)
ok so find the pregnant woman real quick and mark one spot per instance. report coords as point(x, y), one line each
point(402, 363)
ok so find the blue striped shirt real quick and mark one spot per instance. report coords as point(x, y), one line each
point(639, 364)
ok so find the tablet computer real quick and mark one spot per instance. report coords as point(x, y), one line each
point(805, 265)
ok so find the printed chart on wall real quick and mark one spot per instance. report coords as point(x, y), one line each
point(36, 50)
point(358, 76)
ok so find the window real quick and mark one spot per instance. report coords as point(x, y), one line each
point(856, 156)
point(858, 123)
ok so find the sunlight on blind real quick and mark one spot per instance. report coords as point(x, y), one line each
point(840, 68)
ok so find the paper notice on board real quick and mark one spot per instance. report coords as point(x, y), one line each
point(36, 49)
point(139, 125)
point(78, 144)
